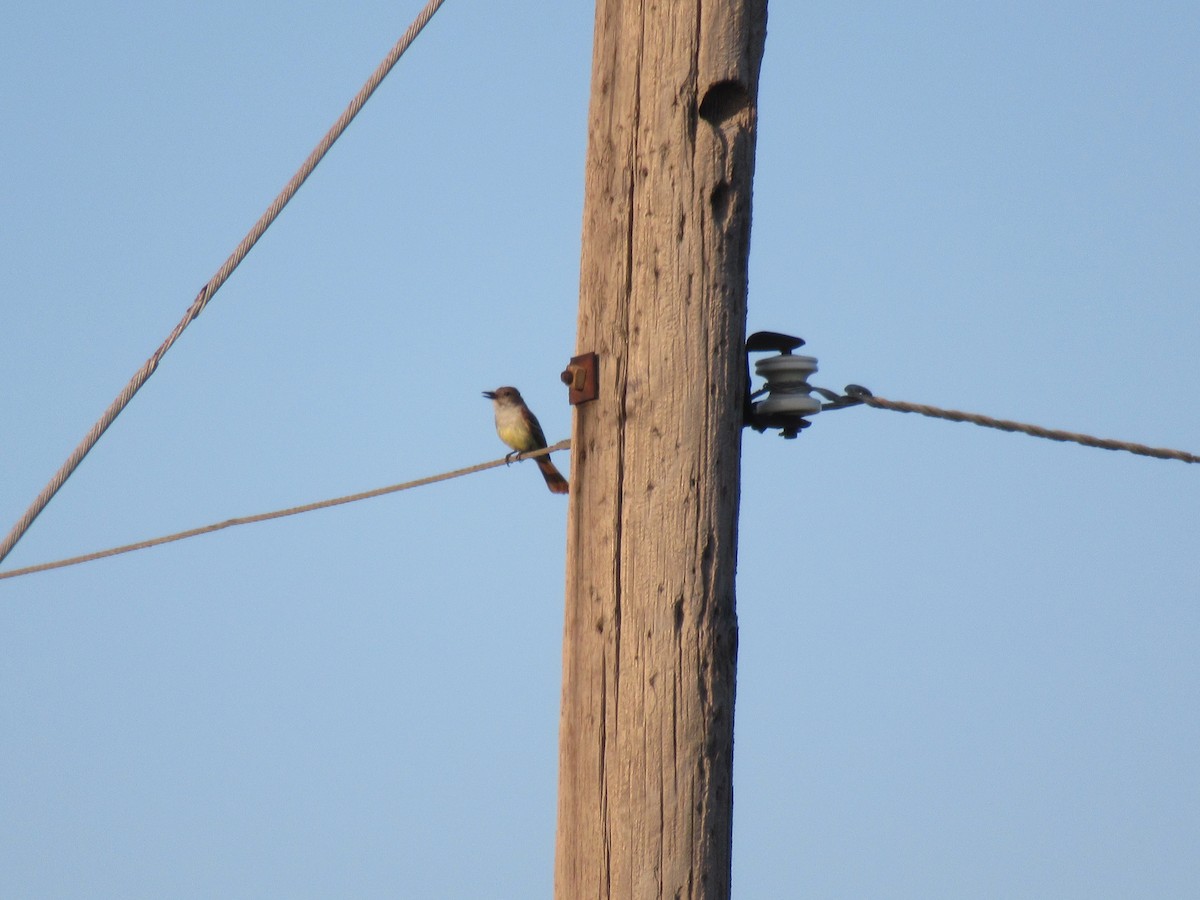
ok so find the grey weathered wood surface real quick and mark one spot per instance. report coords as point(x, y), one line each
point(650, 644)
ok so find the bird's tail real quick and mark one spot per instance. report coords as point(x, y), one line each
point(554, 478)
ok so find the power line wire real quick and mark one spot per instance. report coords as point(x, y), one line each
point(277, 514)
point(214, 284)
point(1087, 440)
point(853, 393)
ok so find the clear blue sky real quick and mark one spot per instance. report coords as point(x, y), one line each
point(969, 661)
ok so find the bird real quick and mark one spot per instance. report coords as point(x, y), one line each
point(519, 428)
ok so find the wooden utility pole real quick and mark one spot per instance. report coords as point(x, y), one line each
point(650, 644)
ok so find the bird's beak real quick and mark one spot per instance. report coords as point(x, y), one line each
point(491, 395)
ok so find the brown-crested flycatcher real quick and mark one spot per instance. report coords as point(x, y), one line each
point(519, 428)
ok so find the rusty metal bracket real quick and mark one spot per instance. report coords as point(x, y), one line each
point(582, 378)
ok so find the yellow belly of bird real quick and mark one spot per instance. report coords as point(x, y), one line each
point(517, 436)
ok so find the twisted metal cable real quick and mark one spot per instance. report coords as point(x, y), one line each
point(214, 284)
point(1087, 440)
point(277, 514)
